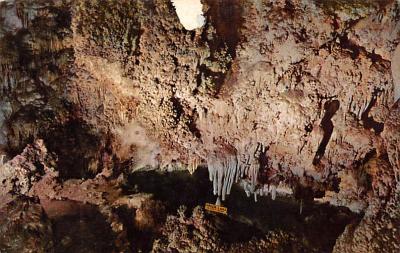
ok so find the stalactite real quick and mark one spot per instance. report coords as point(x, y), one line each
point(218, 202)
point(243, 168)
point(193, 165)
point(301, 207)
point(222, 173)
point(2, 160)
point(273, 191)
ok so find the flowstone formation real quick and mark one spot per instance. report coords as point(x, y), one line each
point(297, 97)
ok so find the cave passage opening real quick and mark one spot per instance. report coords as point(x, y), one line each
point(319, 224)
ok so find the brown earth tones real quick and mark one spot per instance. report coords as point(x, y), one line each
point(301, 91)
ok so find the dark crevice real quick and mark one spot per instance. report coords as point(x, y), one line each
point(290, 8)
point(369, 122)
point(177, 108)
point(308, 128)
point(175, 60)
point(222, 35)
point(77, 149)
point(137, 239)
point(321, 98)
point(347, 44)
point(356, 50)
point(192, 125)
point(180, 188)
point(217, 80)
point(79, 228)
point(331, 107)
point(226, 17)
point(363, 178)
point(371, 154)
point(264, 165)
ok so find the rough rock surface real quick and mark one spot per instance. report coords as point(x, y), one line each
point(199, 233)
point(24, 227)
point(294, 92)
point(18, 175)
point(296, 78)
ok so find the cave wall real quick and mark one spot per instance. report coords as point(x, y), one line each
point(309, 83)
point(300, 80)
point(295, 92)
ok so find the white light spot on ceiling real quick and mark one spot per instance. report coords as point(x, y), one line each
point(190, 13)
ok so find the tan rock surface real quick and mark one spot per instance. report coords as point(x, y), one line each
point(296, 92)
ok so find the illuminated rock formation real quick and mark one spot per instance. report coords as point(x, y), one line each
point(296, 94)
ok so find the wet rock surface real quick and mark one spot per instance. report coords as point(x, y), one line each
point(298, 93)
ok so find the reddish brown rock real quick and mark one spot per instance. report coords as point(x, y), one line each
point(300, 93)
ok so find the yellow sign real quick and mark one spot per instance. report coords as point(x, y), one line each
point(216, 209)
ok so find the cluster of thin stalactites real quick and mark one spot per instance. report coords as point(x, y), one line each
point(228, 170)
